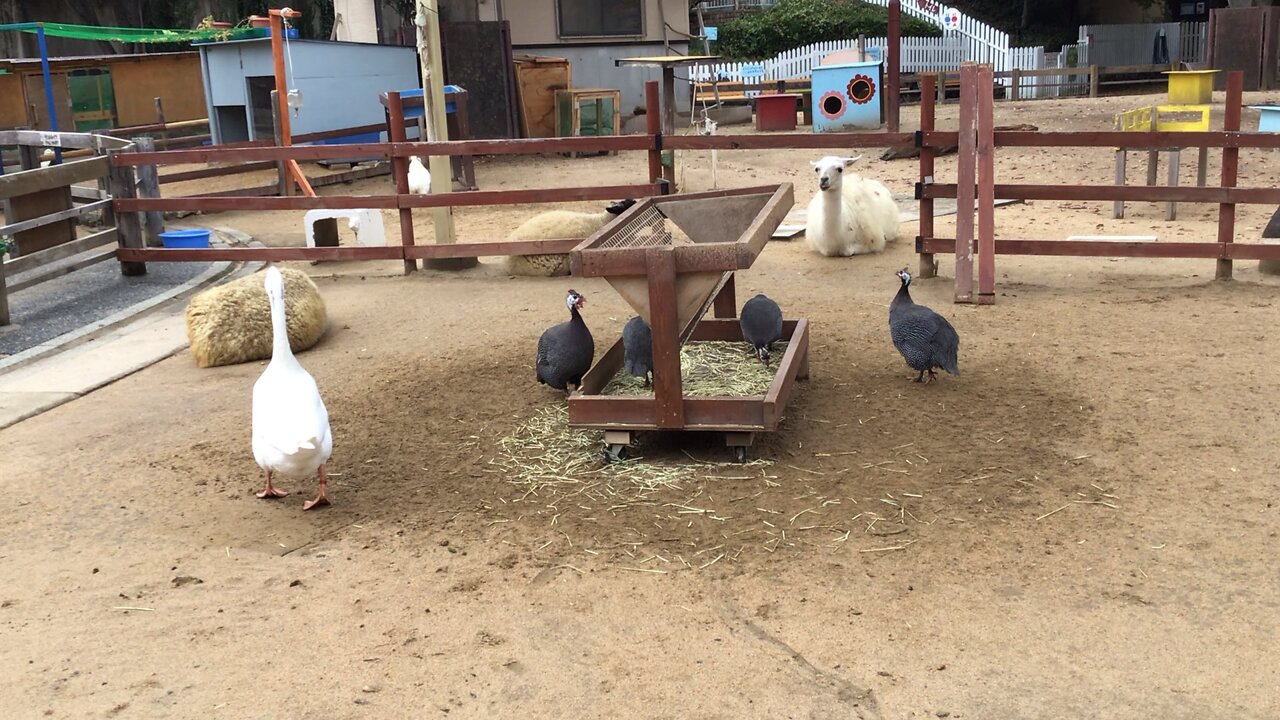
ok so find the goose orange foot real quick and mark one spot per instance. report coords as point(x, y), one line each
point(270, 492)
point(321, 499)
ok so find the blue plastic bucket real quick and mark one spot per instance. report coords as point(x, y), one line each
point(185, 238)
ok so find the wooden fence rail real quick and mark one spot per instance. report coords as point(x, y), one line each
point(1226, 195)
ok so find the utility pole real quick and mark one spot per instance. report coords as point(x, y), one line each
point(435, 119)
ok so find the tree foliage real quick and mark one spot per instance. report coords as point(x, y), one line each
point(793, 23)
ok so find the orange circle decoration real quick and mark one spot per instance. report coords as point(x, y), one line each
point(832, 105)
point(861, 89)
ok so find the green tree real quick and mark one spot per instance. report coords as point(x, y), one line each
point(793, 23)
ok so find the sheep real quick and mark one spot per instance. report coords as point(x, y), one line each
point(557, 224)
point(231, 323)
point(851, 215)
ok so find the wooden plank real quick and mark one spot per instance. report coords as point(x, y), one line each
point(513, 197)
point(726, 303)
point(986, 191)
point(798, 141)
point(4, 299)
point(664, 324)
point(1107, 248)
point(1113, 138)
point(965, 176)
point(209, 172)
point(36, 138)
point(1183, 193)
point(928, 266)
point(38, 205)
point(54, 217)
point(149, 187)
point(400, 174)
point(245, 254)
point(128, 224)
point(793, 361)
point(27, 182)
point(1230, 169)
point(61, 270)
point(598, 377)
point(653, 126)
point(492, 249)
point(614, 412)
point(58, 252)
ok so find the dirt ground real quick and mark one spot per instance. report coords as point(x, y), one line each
point(1083, 524)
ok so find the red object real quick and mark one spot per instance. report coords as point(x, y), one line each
point(776, 112)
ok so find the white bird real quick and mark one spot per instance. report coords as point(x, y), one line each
point(353, 223)
point(291, 434)
point(419, 177)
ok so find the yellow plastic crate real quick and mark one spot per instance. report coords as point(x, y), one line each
point(1190, 87)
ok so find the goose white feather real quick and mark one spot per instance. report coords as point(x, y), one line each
point(291, 433)
point(419, 177)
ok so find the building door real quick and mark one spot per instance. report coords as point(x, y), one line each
point(1237, 40)
point(260, 87)
point(93, 100)
point(37, 106)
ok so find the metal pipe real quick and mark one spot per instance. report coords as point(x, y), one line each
point(48, 89)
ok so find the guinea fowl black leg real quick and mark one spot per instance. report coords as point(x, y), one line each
point(932, 376)
point(919, 378)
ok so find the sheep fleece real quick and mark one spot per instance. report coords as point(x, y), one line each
point(546, 226)
point(231, 323)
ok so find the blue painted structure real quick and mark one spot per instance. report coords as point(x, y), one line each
point(846, 96)
point(339, 81)
point(1269, 119)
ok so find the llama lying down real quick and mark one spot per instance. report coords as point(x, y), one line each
point(851, 214)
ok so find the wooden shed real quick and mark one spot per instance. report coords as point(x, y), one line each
point(93, 92)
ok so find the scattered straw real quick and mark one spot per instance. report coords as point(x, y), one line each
point(712, 368)
point(551, 460)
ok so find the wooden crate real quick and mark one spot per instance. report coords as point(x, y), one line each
point(604, 107)
point(537, 80)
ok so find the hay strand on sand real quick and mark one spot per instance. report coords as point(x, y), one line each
point(711, 369)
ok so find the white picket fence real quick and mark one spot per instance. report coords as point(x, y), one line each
point(981, 43)
point(918, 55)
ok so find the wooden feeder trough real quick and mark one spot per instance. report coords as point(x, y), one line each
point(673, 258)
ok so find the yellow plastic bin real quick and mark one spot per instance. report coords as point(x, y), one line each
point(1190, 87)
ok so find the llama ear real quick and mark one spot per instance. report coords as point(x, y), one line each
point(813, 163)
point(851, 160)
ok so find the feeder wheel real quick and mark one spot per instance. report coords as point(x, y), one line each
point(861, 89)
point(616, 452)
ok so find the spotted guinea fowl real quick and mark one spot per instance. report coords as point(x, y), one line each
point(761, 323)
point(565, 351)
point(637, 348)
point(925, 338)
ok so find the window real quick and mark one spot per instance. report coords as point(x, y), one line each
point(594, 18)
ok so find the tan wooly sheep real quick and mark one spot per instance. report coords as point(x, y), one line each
point(231, 323)
point(557, 224)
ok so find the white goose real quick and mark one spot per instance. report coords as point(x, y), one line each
point(419, 177)
point(291, 434)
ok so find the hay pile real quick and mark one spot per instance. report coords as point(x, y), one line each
point(548, 458)
point(712, 368)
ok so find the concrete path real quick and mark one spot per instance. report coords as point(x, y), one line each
point(104, 341)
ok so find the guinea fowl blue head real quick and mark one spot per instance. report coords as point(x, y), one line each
point(574, 300)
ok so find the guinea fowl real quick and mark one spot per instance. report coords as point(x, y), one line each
point(637, 348)
point(565, 351)
point(925, 338)
point(761, 323)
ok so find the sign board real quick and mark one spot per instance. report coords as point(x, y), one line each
point(951, 19)
point(752, 70)
point(713, 32)
point(50, 139)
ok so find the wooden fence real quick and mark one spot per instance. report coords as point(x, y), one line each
point(41, 212)
point(975, 187)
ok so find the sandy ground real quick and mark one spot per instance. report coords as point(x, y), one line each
point(1083, 524)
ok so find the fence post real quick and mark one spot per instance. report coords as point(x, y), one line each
point(1094, 80)
point(1015, 83)
point(928, 265)
point(965, 183)
point(282, 172)
point(1230, 166)
point(4, 295)
point(149, 187)
point(400, 171)
point(128, 226)
point(653, 126)
point(164, 132)
point(986, 149)
point(895, 65)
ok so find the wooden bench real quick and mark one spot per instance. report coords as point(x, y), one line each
point(709, 93)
